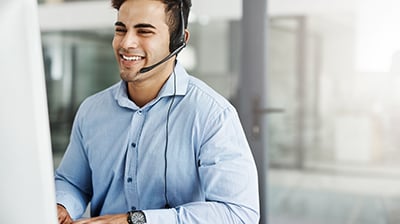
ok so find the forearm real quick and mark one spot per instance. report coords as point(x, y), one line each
point(203, 212)
point(73, 177)
point(74, 200)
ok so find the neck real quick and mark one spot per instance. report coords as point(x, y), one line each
point(143, 93)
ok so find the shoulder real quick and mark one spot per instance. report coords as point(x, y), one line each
point(100, 100)
point(205, 95)
point(206, 104)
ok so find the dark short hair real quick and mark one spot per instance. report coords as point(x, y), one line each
point(172, 10)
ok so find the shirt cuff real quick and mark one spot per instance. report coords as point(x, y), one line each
point(73, 206)
point(158, 216)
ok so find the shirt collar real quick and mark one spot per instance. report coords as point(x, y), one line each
point(168, 89)
point(182, 80)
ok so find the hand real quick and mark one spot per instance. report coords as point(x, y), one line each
point(63, 215)
point(106, 219)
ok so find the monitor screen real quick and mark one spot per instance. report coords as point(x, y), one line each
point(26, 169)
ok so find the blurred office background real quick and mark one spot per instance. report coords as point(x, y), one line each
point(330, 114)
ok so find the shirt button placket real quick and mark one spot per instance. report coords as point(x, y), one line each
point(132, 160)
point(129, 179)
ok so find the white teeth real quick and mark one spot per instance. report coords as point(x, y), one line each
point(133, 58)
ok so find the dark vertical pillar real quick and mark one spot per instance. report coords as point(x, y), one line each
point(252, 88)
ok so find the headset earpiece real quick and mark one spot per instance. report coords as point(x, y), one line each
point(178, 39)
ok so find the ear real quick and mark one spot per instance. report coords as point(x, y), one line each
point(187, 35)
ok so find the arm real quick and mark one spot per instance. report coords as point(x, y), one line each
point(228, 177)
point(73, 176)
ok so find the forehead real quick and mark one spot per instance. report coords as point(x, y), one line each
point(142, 11)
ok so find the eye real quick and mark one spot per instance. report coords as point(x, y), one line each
point(145, 31)
point(120, 30)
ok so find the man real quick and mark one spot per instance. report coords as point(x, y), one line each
point(160, 146)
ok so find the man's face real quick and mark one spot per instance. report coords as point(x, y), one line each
point(141, 38)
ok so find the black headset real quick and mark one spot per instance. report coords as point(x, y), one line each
point(178, 42)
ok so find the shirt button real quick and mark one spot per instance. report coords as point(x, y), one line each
point(133, 144)
point(139, 112)
point(129, 179)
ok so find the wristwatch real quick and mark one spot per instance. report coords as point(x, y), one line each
point(136, 217)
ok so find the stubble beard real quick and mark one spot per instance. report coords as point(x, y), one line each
point(129, 76)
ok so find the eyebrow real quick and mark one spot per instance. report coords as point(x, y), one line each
point(118, 23)
point(140, 25)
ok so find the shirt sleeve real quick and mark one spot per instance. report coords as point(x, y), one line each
point(73, 176)
point(228, 177)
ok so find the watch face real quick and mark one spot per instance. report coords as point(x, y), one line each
point(138, 217)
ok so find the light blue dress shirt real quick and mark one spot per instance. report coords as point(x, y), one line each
point(116, 157)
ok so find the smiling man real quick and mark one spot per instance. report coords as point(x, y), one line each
point(160, 146)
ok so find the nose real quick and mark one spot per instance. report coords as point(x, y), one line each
point(129, 40)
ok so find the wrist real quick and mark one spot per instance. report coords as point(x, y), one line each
point(61, 205)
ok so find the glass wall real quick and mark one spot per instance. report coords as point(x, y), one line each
point(334, 157)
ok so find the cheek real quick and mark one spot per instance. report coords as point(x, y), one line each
point(161, 46)
point(116, 46)
point(115, 43)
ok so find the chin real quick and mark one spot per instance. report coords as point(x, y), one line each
point(130, 76)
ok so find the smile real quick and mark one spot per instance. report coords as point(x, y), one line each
point(131, 58)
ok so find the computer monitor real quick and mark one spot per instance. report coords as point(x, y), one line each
point(27, 192)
